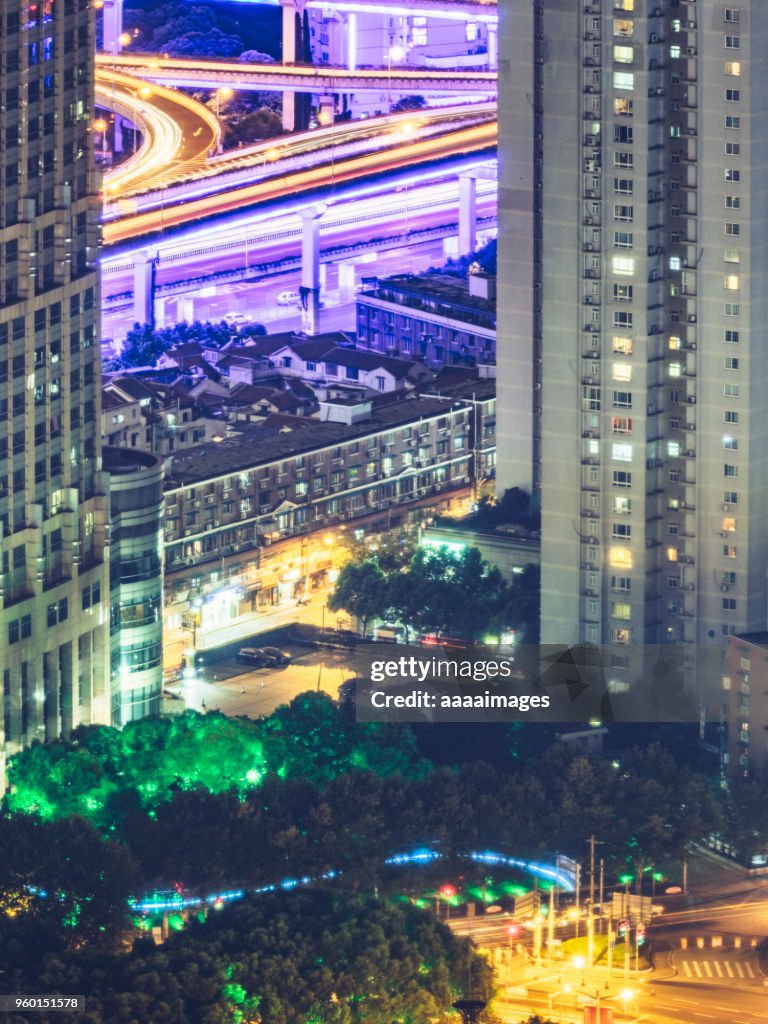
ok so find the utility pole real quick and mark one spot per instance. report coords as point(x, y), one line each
point(551, 924)
point(602, 879)
point(591, 918)
point(578, 897)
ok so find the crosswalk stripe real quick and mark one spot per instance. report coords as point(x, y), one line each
point(739, 970)
point(718, 968)
point(707, 968)
point(697, 968)
point(748, 969)
point(728, 969)
point(687, 968)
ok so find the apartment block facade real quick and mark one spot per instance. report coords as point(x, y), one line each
point(632, 299)
point(53, 500)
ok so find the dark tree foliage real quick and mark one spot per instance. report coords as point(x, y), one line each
point(144, 344)
point(283, 959)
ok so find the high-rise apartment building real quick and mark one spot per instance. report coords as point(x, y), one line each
point(53, 505)
point(633, 302)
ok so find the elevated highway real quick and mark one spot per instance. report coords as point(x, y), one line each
point(466, 142)
point(210, 74)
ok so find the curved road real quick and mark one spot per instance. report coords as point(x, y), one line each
point(179, 132)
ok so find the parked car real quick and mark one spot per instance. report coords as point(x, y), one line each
point(288, 298)
point(236, 319)
point(254, 656)
point(275, 655)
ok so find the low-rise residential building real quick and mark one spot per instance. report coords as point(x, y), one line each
point(436, 318)
point(746, 698)
point(229, 505)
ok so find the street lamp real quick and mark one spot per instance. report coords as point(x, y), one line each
point(100, 126)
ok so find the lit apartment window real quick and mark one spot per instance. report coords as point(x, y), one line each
point(623, 55)
point(622, 506)
point(623, 27)
point(624, 5)
point(733, 68)
point(622, 293)
point(675, 263)
point(729, 524)
point(621, 635)
point(731, 444)
point(623, 266)
point(620, 558)
point(419, 31)
point(622, 345)
point(622, 372)
point(672, 554)
point(673, 449)
point(729, 551)
point(674, 343)
point(621, 610)
point(621, 425)
point(731, 282)
point(621, 452)
point(471, 31)
point(675, 51)
point(675, 369)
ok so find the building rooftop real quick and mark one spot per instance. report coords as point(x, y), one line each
point(757, 639)
point(250, 447)
point(439, 293)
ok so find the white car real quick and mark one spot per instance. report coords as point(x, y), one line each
point(288, 298)
point(236, 319)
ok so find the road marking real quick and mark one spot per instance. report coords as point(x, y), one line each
point(698, 1013)
point(687, 968)
point(748, 969)
point(739, 970)
point(718, 968)
point(729, 969)
point(707, 968)
point(696, 968)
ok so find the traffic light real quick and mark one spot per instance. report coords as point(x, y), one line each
point(623, 927)
point(641, 935)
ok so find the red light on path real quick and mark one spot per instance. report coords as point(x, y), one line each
point(447, 891)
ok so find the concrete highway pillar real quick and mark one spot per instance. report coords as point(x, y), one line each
point(326, 114)
point(352, 40)
point(185, 309)
point(290, 39)
point(467, 214)
point(144, 289)
point(117, 140)
point(347, 280)
point(310, 268)
point(295, 49)
point(493, 47)
point(113, 25)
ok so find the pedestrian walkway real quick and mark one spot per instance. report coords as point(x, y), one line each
point(716, 969)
